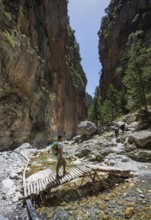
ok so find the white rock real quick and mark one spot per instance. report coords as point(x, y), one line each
point(77, 162)
point(17, 196)
point(140, 191)
point(141, 195)
point(8, 183)
point(23, 147)
point(77, 138)
point(19, 170)
point(141, 138)
point(3, 218)
point(13, 175)
point(40, 175)
point(86, 128)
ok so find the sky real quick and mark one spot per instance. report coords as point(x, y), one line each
point(85, 19)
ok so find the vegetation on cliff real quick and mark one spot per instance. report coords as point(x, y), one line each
point(125, 54)
point(137, 75)
point(103, 111)
point(42, 83)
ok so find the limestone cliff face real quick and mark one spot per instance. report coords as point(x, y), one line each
point(42, 84)
point(123, 18)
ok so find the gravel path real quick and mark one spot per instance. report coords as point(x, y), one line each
point(11, 190)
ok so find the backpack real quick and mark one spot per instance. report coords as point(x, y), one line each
point(54, 148)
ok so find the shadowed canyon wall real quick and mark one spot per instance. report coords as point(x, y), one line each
point(122, 19)
point(42, 84)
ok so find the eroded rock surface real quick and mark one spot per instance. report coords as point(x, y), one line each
point(122, 19)
point(42, 84)
point(141, 138)
point(86, 128)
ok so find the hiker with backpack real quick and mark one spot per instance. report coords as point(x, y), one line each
point(122, 127)
point(116, 131)
point(60, 159)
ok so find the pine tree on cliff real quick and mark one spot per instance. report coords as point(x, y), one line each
point(111, 107)
point(138, 75)
point(94, 109)
point(103, 111)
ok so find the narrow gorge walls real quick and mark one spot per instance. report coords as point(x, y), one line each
point(123, 18)
point(42, 84)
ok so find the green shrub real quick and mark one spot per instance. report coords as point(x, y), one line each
point(9, 38)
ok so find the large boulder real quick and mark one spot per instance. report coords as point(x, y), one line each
point(40, 175)
point(140, 138)
point(3, 218)
point(140, 155)
point(8, 186)
point(26, 150)
point(86, 128)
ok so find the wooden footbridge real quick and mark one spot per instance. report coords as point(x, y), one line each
point(49, 181)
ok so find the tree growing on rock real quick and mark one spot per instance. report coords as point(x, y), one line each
point(103, 111)
point(94, 110)
point(111, 107)
point(138, 74)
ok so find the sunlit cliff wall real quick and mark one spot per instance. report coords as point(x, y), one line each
point(42, 84)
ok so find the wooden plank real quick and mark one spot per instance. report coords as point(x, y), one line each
point(81, 171)
point(107, 168)
point(78, 172)
point(24, 178)
point(61, 173)
point(64, 179)
point(53, 177)
point(54, 180)
point(75, 172)
point(28, 189)
point(72, 174)
point(85, 169)
point(25, 189)
point(34, 187)
point(45, 183)
point(37, 187)
point(50, 181)
point(40, 186)
point(46, 180)
point(68, 176)
point(61, 178)
point(31, 188)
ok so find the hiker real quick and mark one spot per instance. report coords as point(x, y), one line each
point(122, 127)
point(60, 159)
point(116, 130)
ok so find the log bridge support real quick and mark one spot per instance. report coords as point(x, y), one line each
point(43, 186)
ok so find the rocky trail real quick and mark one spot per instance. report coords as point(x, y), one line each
point(129, 199)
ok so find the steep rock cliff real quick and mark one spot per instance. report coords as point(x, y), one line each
point(122, 19)
point(42, 84)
